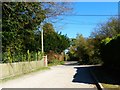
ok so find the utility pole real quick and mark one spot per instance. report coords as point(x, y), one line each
point(42, 38)
point(44, 57)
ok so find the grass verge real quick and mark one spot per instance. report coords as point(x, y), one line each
point(56, 62)
point(110, 86)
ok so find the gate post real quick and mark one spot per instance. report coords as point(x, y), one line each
point(45, 61)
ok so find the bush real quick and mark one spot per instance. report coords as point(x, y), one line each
point(110, 52)
point(9, 57)
point(55, 56)
point(56, 62)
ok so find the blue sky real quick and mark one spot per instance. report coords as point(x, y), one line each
point(72, 25)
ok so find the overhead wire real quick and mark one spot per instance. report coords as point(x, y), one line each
point(90, 15)
point(84, 23)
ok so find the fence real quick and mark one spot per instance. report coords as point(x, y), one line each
point(18, 68)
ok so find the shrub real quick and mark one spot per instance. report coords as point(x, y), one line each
point(56, 62)
point(110, 52)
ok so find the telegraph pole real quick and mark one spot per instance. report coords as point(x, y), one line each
point(42, 38)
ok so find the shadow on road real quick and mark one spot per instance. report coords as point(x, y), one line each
point(103, 74)
point(83, 75)
point(107, 75)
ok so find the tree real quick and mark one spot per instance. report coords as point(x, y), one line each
point(21, 19)
point(78, 48)
point(105, 31)
point(19, 22)
point(54, 41)
point(83, 50)
point(110, 50)
point(55, 9)
point(108, 29)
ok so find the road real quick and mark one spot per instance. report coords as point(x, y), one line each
point(69, 75)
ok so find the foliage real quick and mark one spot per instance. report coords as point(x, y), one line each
point(82, 49)
point(101, 47)
point(56, 62)
point(54, 41)
point(110, 52)
point(106, 41)
point(55, 9)
point(103, 35)
point(109, 29)
point(20, 24)
point(21, 57)
point(55, 56)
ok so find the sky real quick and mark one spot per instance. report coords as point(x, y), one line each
point(80, 21)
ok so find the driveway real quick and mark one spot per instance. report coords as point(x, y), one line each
point(69, 75)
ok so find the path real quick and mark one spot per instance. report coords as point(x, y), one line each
point(61, 76)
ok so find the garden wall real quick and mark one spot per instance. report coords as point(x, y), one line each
point(18, 68)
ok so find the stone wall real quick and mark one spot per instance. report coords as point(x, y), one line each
point(18, 68)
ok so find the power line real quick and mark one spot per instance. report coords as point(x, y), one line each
point(80, 23)
point(89, 15)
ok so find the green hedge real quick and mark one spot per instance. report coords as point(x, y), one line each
point(110, 51)
point(8, 57)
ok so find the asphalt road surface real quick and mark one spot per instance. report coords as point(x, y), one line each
point(69, 75)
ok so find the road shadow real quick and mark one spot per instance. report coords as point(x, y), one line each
point(83, 75)
point(107, 75)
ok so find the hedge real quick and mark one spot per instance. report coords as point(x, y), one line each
point(110, 51)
